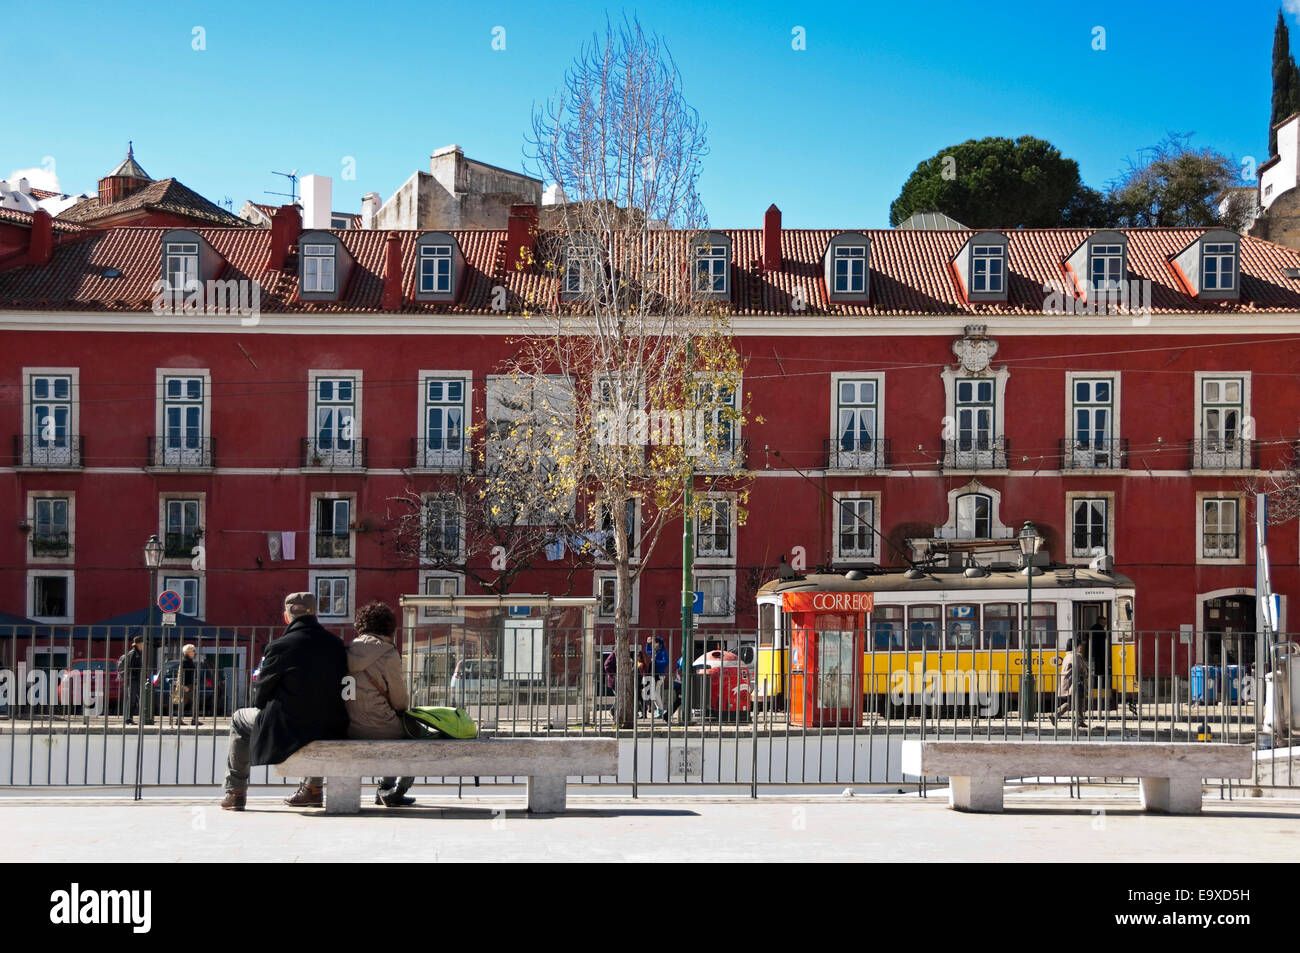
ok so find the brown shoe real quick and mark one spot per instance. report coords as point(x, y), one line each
point(307, 797)
point(234, 801)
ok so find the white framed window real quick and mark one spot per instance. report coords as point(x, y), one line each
point(974, 516)
point(521, 419)
point(333, 538)
point(1222, 412)
point(987, 267)
point(717, 419)
point(318, 267)
point(605, 589)
point(976, 414)
point(1219, 521)
point(1106, 268)
point(857, 414)
point(335, 420)
point(435, 269)
point(334, 591)
point(442, 539)
point(1092, 415)
point(719, 591)
point(1219, 267)
point(189, 587)
point(183, 418)
point(711, 261)
point(444, 416)
point(857, 527)
point(579, 268)
point(1091, 525)
point(435, 583)
point(850, 269)
point(51, 595)
point(715, 528)
point(180, 264)
point(180, 526)
point(50, 412)
point(51, 526)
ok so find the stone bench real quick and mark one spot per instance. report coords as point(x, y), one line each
point(547, 763)
point(1170, 773)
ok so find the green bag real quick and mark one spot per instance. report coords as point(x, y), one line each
point(428, 721)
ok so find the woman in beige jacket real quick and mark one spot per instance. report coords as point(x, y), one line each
point(380, 691)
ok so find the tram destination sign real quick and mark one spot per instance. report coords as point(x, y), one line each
point(828, 601)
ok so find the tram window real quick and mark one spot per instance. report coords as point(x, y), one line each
point(923, 627)
point(963, 621)
point(1044, 628)
point(1000, 629)
point(766, 624)
point(887, 628)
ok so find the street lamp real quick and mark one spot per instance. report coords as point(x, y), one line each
point(153, 554)
point(1029, 541)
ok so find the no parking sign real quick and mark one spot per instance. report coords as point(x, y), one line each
point(169, 601)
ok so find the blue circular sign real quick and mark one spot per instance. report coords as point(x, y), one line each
point(170, 601)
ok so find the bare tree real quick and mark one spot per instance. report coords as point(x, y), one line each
point(626, 382)
point(1282, 490)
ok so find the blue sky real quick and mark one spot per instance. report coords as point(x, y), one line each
point(828, 133)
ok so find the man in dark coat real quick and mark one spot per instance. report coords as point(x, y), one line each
point(131, 666)
point(299, 699)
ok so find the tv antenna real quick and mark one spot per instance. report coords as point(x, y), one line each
point(292, 194)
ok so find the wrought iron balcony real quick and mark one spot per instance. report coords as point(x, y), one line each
point(333, 454)
point(1223, 453)
point(1219, 545)
point(183, 453)
point(59, 452)
point(976, 453)
point(1086, 454)
point(724, 458)
point(53, 545)
point(436, 455)
point(330, 546)
point(847, 454)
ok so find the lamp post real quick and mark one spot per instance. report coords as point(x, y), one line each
point(1029, 541)
point(153, 554)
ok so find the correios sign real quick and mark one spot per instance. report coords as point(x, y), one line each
point(828, 601)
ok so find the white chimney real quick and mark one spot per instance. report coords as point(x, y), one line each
point(317, 197)
point(554, 195)
point(369, 209)
point(24, 186)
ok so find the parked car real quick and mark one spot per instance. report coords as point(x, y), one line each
point(95, 675)
point(210, 701)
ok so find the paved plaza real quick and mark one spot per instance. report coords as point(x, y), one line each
point(1039, 825)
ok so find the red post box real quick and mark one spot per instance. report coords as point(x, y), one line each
point(826, 656)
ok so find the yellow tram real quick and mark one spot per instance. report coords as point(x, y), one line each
point(950, 637)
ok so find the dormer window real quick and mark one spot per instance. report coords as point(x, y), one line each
point(180, 263)
point(579, 269)
point(988, 269)
point(318, 268)
point(1106, 267)
point(1219, 267)
point(1208, 267)
point(850, 269)
point(435, 269)
point(712, 265)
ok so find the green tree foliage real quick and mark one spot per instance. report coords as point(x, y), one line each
point(1286, 82)
point(1173, 184)
point(1001, 183)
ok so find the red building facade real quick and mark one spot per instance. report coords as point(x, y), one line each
point(940, 388)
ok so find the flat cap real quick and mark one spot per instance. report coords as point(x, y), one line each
point(300, 603)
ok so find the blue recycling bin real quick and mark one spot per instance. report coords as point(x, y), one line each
point(1205, 684)
point(1234, 677)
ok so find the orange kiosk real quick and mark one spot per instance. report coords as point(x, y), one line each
point(826, 649)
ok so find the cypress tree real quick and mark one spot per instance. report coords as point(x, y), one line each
point(1286, 81)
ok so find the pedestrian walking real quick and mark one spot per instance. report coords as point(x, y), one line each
point(185, 690)
point(131, 667)
point(660, 674)
point(1073, 683)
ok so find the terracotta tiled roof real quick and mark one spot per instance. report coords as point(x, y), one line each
point(43, 194)
point(166, 195)
point(910, 273)
point(19, 217)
